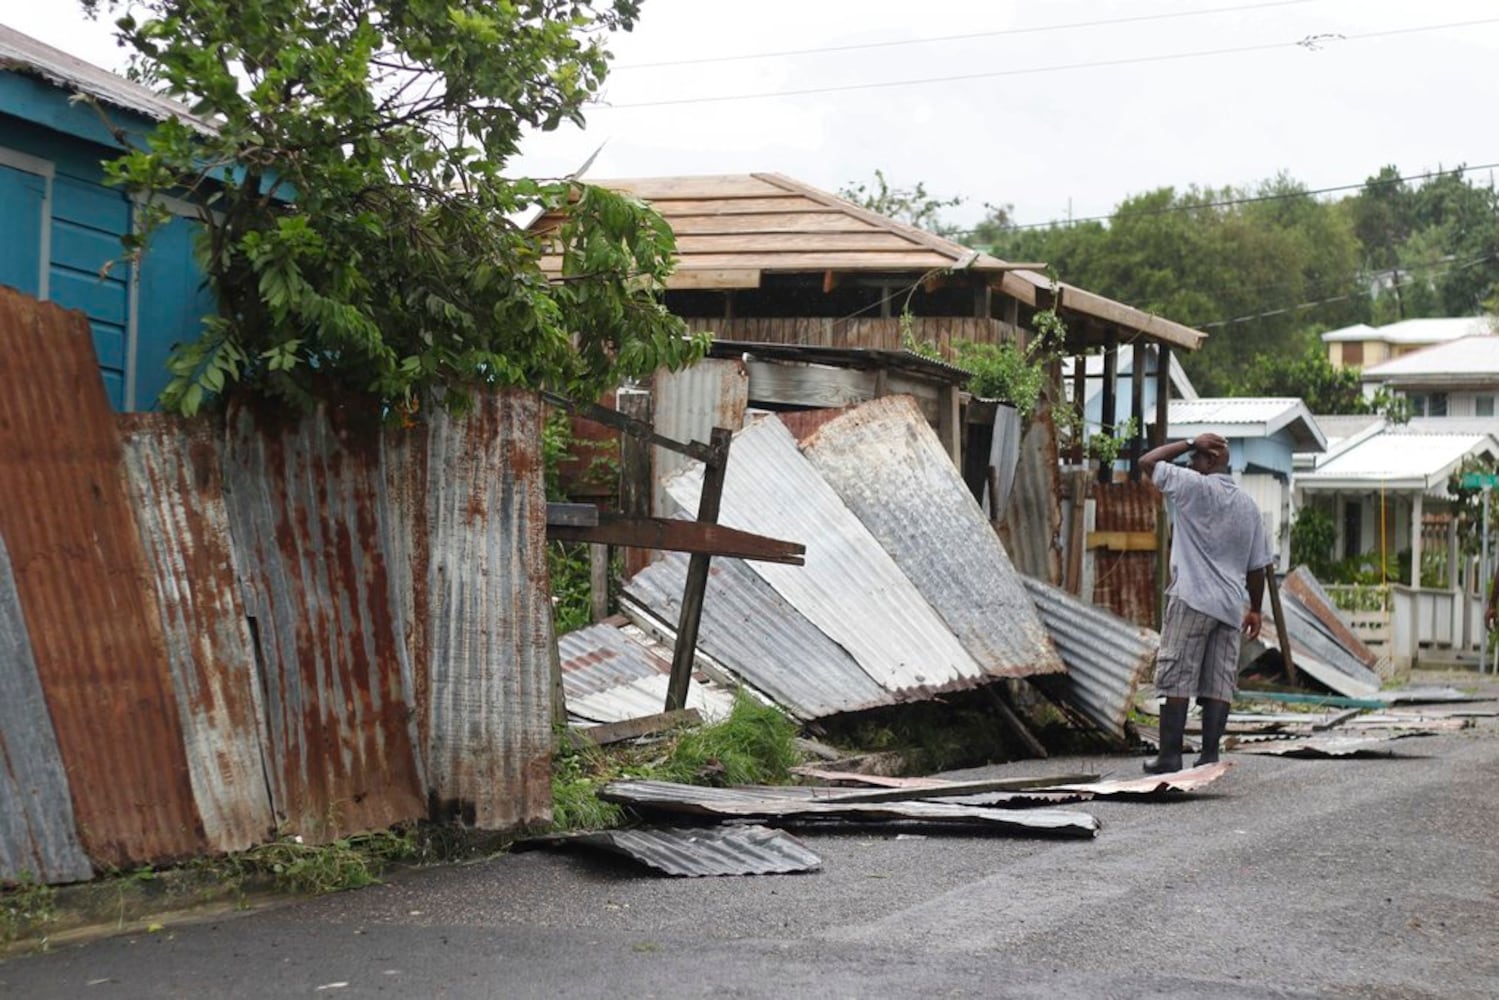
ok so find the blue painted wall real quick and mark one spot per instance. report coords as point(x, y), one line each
point(62, 227)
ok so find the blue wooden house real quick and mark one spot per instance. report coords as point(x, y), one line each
point(62, 225)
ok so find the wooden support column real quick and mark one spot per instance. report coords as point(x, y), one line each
point(598, 580)
point(636, 480)
point(1140, 357)
point(697, 573)
point(1161, 431)
point(1110, 394)
point(1282, 627)
point(1416, 513)
point(950, 423)
point(1079, 400)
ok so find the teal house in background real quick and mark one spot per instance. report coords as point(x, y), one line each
point(60, 225)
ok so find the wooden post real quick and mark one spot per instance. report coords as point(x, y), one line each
point(636, 480)
point(1137, 406)
point(1281, 627)
point(950, 423)
point(1110, 395)
point(697, 574)
point(598, 580)
point(1162, 395)
point(1079, 402)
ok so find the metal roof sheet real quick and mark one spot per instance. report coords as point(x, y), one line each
point(1399, 458)
point(886, 464)
point(754, 632)
point(849, 587)
point(1106, 656)
point(686, 405)
point(609, 675)
point(24, 54)
point(1470, 358)
point(1363, 745)
point(702, 851)
point(1431, 330)
point(1246, 417)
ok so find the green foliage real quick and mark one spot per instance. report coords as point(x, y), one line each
point(26, 907)
point(1105, 448)
point(755, 745)
point(1312, 377)
point(355, 217)
point(350, 862)
point(911, 205)
point(572, 586)
point(1009, 372)
point(577, 775)
point(1467, 502)
point(1313, 539)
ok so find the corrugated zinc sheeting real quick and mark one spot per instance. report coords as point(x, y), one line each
point(729, 850)
point(1300, 583)
point(177, 490)
point(849, 587)
point(38, 835)
point(301, 495)
point(82, 580)
point(1032, 526)
point(490, 633)
point(888, 467)
point(686, 406)
point(1125, 582)
point(609, 676)
point(753, 631)
point(1106, 656)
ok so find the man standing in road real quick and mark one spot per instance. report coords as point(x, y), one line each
point(1219, 553)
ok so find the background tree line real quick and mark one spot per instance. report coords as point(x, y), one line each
point(1264, 270)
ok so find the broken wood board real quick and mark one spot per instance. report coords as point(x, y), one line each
point(697, 852)
point(728, 803)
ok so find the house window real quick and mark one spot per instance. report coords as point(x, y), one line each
point(1436, 404)
point(1353, 353)
point(1483, 406)
point(1353, 528)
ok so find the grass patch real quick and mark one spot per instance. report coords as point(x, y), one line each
point(26, 907)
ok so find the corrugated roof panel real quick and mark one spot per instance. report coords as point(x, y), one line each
point(177, 490)
point(1106, 656)
point(490, 633)
point(1475, 354)
point(1399, 459)
point(38, 835)
point(720, 850)
point(1300, 584)
point(753, 631)
point(81, 577)
point(849, 587)
point(1125, 582)
point(609, 676)
point(886, 464)
point(686, 406)
point(302, 495)
point(1033, 518)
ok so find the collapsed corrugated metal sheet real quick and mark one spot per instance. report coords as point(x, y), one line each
point(702, 851)
point(1032, 526)
point(1187, 780)
point(1125, 582)
point(82, 581)
point(686, 406)
point(1331, 746)
point(752, 631)
point(38, 835)
point(849, 587)
point(1300, 584)
point(302, 508)
point(490, 634)
point(1319, 650)
point(889, 469)
point(729, 803)
point(1106, 656)
point(177, 491)
point(609, 676)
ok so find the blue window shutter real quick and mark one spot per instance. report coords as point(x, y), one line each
point(23, 199)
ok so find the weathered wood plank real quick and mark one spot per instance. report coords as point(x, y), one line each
point(769, 222)
point(681, 536)
point(647, 725)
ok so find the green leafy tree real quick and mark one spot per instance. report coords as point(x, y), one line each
point(355, 218)
point(911, 205)
point(1312, 377)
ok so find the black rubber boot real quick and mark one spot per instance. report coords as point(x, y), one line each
point(1214, 718)
point(1173, 725)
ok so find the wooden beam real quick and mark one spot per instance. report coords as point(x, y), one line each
point(1139, 357)
point(598, 581)
point(636, 475)
point(1123, 541)
point(682, 536)
point(1110, 396)
point(1282, 628)
point(573, 514)
point(697, 572)
point(631, 426)
point(689, 278)
point(629, 729)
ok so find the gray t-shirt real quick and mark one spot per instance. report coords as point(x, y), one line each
point(1218, 538)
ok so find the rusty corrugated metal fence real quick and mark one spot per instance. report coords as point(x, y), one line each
point(216, 633)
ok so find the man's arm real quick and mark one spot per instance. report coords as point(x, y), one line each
point(1168, 452)
point(1254, 580)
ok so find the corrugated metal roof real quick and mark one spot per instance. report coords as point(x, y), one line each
point(1399, 459)
point(1125, 582)
point(1032, 527)
point(702, 851)
point(609, 676)
point(753, 631)
point(489, 637)
point(1187, 780)
point(81, 576)
point(1301, 585)
point(1106, 656)
point(1431, 330)
point(24, 54)
point(38, 834)
point(686, 406)
point(1246, 417)
point(1467, 359)
point(177, 490)
point(302, 501)
point(850, 587)
point(696, 800)
point(886, 464)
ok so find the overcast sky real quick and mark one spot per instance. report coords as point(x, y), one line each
point(1058, 107)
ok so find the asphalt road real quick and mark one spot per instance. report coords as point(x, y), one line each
point(1374, 878)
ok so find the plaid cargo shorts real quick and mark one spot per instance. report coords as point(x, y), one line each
point(1199, 655)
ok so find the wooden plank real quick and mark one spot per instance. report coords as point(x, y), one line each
point(769, 222)
point(713, 186)
point(671, 208)
point(781, 243)
point(629, 729)
point(1118, 313)
point(1123, 541)
point(682, 536)
point(697, 572)
point(841, 260)
point(687, 277)
point(575, 514)
point(598, 581)
point(1281, 628)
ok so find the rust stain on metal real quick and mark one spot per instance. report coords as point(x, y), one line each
point(304, 508)
point(177, 490)
point(1125, 582)
point(1300, 584)
point(81, 577)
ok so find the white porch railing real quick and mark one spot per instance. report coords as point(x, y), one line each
point(1406, 624)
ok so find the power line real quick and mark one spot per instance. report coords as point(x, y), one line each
point(956, 38)
point(1307, 42)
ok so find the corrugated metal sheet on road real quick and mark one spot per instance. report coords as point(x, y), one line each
point(609, 676)
point(695, 852)
point(1370, 745)
point(886, 464)
point(1106, 656)
point(38, 835)
point(490, 633)
point(177, 490)
point(850, 588)
point(82, 581)
point(302, 502)
point(753, 631)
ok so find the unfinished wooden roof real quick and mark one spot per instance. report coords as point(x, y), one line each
point(732, 229)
